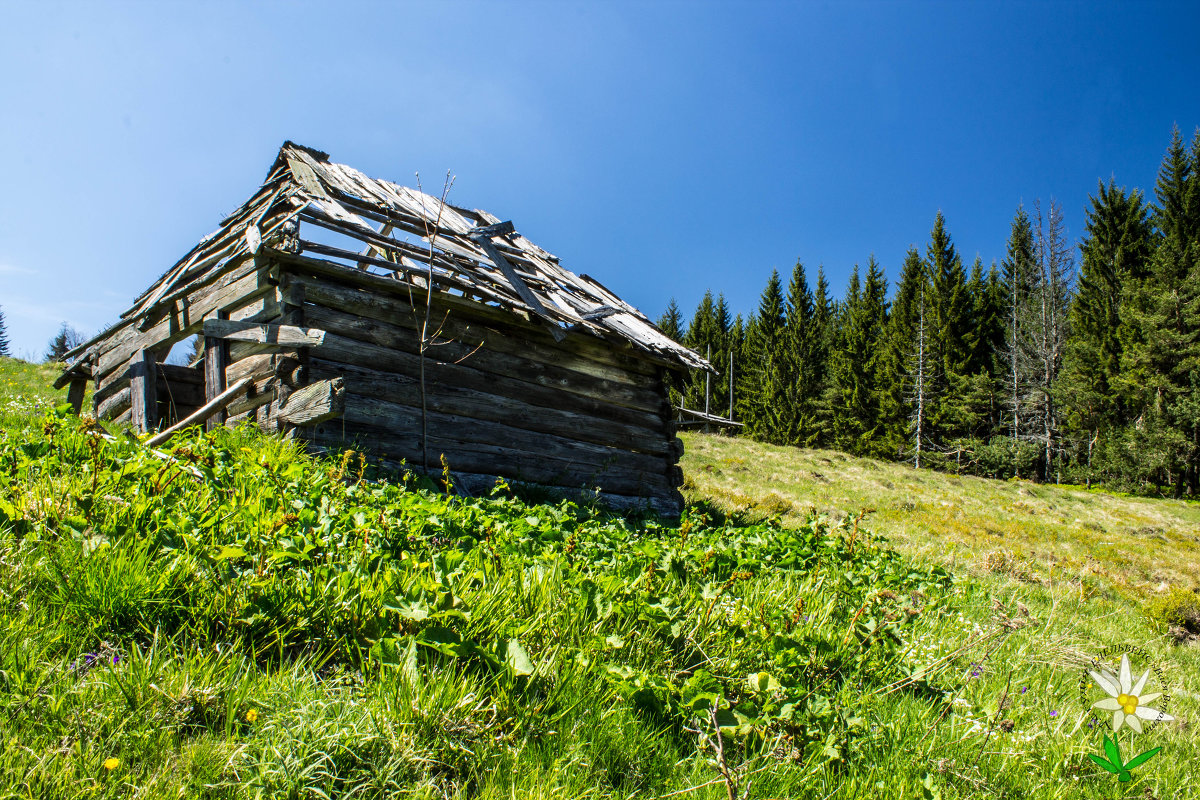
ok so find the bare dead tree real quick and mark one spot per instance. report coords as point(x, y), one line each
point(920, 388)
point(424, 339)
point(1055, 267)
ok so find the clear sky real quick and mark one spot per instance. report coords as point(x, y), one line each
point(663, 147)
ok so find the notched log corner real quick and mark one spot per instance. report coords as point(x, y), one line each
point(314, 403)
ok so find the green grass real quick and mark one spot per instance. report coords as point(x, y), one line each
point(26, 393)
point(231, 617)
point(1041, 533)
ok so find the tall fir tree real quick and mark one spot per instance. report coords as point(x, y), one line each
point(820, 347)
point(64, 341)
point(798, 422)
point(856, 364)
point(4, 346)
point(703, 335)
point(899, 344)
point(671, 324)
point(1116, 250)
point(735, 381)
point(763, 403)
point(671, 321)
point(1046, 344)
point(720, 359)
point(1161, 349)
point(948, 312)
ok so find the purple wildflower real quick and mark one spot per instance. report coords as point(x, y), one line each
point(1053, 713)
point(1024, 689)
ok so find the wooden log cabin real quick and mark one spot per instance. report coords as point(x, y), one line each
point(343, 310)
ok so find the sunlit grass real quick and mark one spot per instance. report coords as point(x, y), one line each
point(1041, 532)
point(232, 618)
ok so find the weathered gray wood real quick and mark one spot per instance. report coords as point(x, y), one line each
point(393, 287)
point(291, 306)
point(314, 403)
point(75, 394)
point(80, 370)
point(518, 285)
point(451, 397)
point(380, 380)
point(114, 405)
point(208, 409)
point(144, 392)
point(216, 357)
point(348, 340)
point(260, 392)
point(403, 442)
point(387, 415)
point(461, 315)
point(256, 366)
point(263, 333)
point(241, 285)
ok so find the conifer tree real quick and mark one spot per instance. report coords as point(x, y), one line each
point(720, 357)
point(798, 422)
point(1161, 350)
point(4, 346)
point(856, 363)
point(736, 380)
point(703, 335)
point(671, 322)
point(900, 342)
point(948, 310)
point(1116, 251)
point(64, 341)
point(765, 397)
point(919, 369)
point(1019, 281)
point(821, 343)
point(1046, 345)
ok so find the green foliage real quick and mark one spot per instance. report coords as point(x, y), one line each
point(235, 618)
point(857, 363)
point(4, 346)
point(64, 341)
point(1176, 606)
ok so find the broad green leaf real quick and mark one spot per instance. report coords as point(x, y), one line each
point(513, 654)
point(1138, 760)
point(1113, 751)
point(762, 682)
point(1104, 764)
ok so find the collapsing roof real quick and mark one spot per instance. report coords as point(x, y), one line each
point(394, 231)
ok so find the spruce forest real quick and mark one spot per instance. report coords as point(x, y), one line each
point(1062, 363)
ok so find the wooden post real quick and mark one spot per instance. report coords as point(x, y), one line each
point(216, 356)
point(291, 312)
point(708, 389)
point(143, 387)
point(75, 394)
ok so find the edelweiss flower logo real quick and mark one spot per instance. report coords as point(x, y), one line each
point(1126, 701)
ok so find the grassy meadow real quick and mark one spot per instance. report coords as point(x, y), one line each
point(230, 617)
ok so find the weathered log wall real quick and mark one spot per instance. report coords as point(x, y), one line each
point(503, 396)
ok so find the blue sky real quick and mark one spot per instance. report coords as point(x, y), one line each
point(663, 147)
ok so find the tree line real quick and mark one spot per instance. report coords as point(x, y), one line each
point(1061, 363)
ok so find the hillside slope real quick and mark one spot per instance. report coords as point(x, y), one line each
point(229, 617)
point(1039, 532)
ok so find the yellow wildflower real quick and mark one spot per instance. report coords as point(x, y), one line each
point(111, 763)
point(252, 715)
